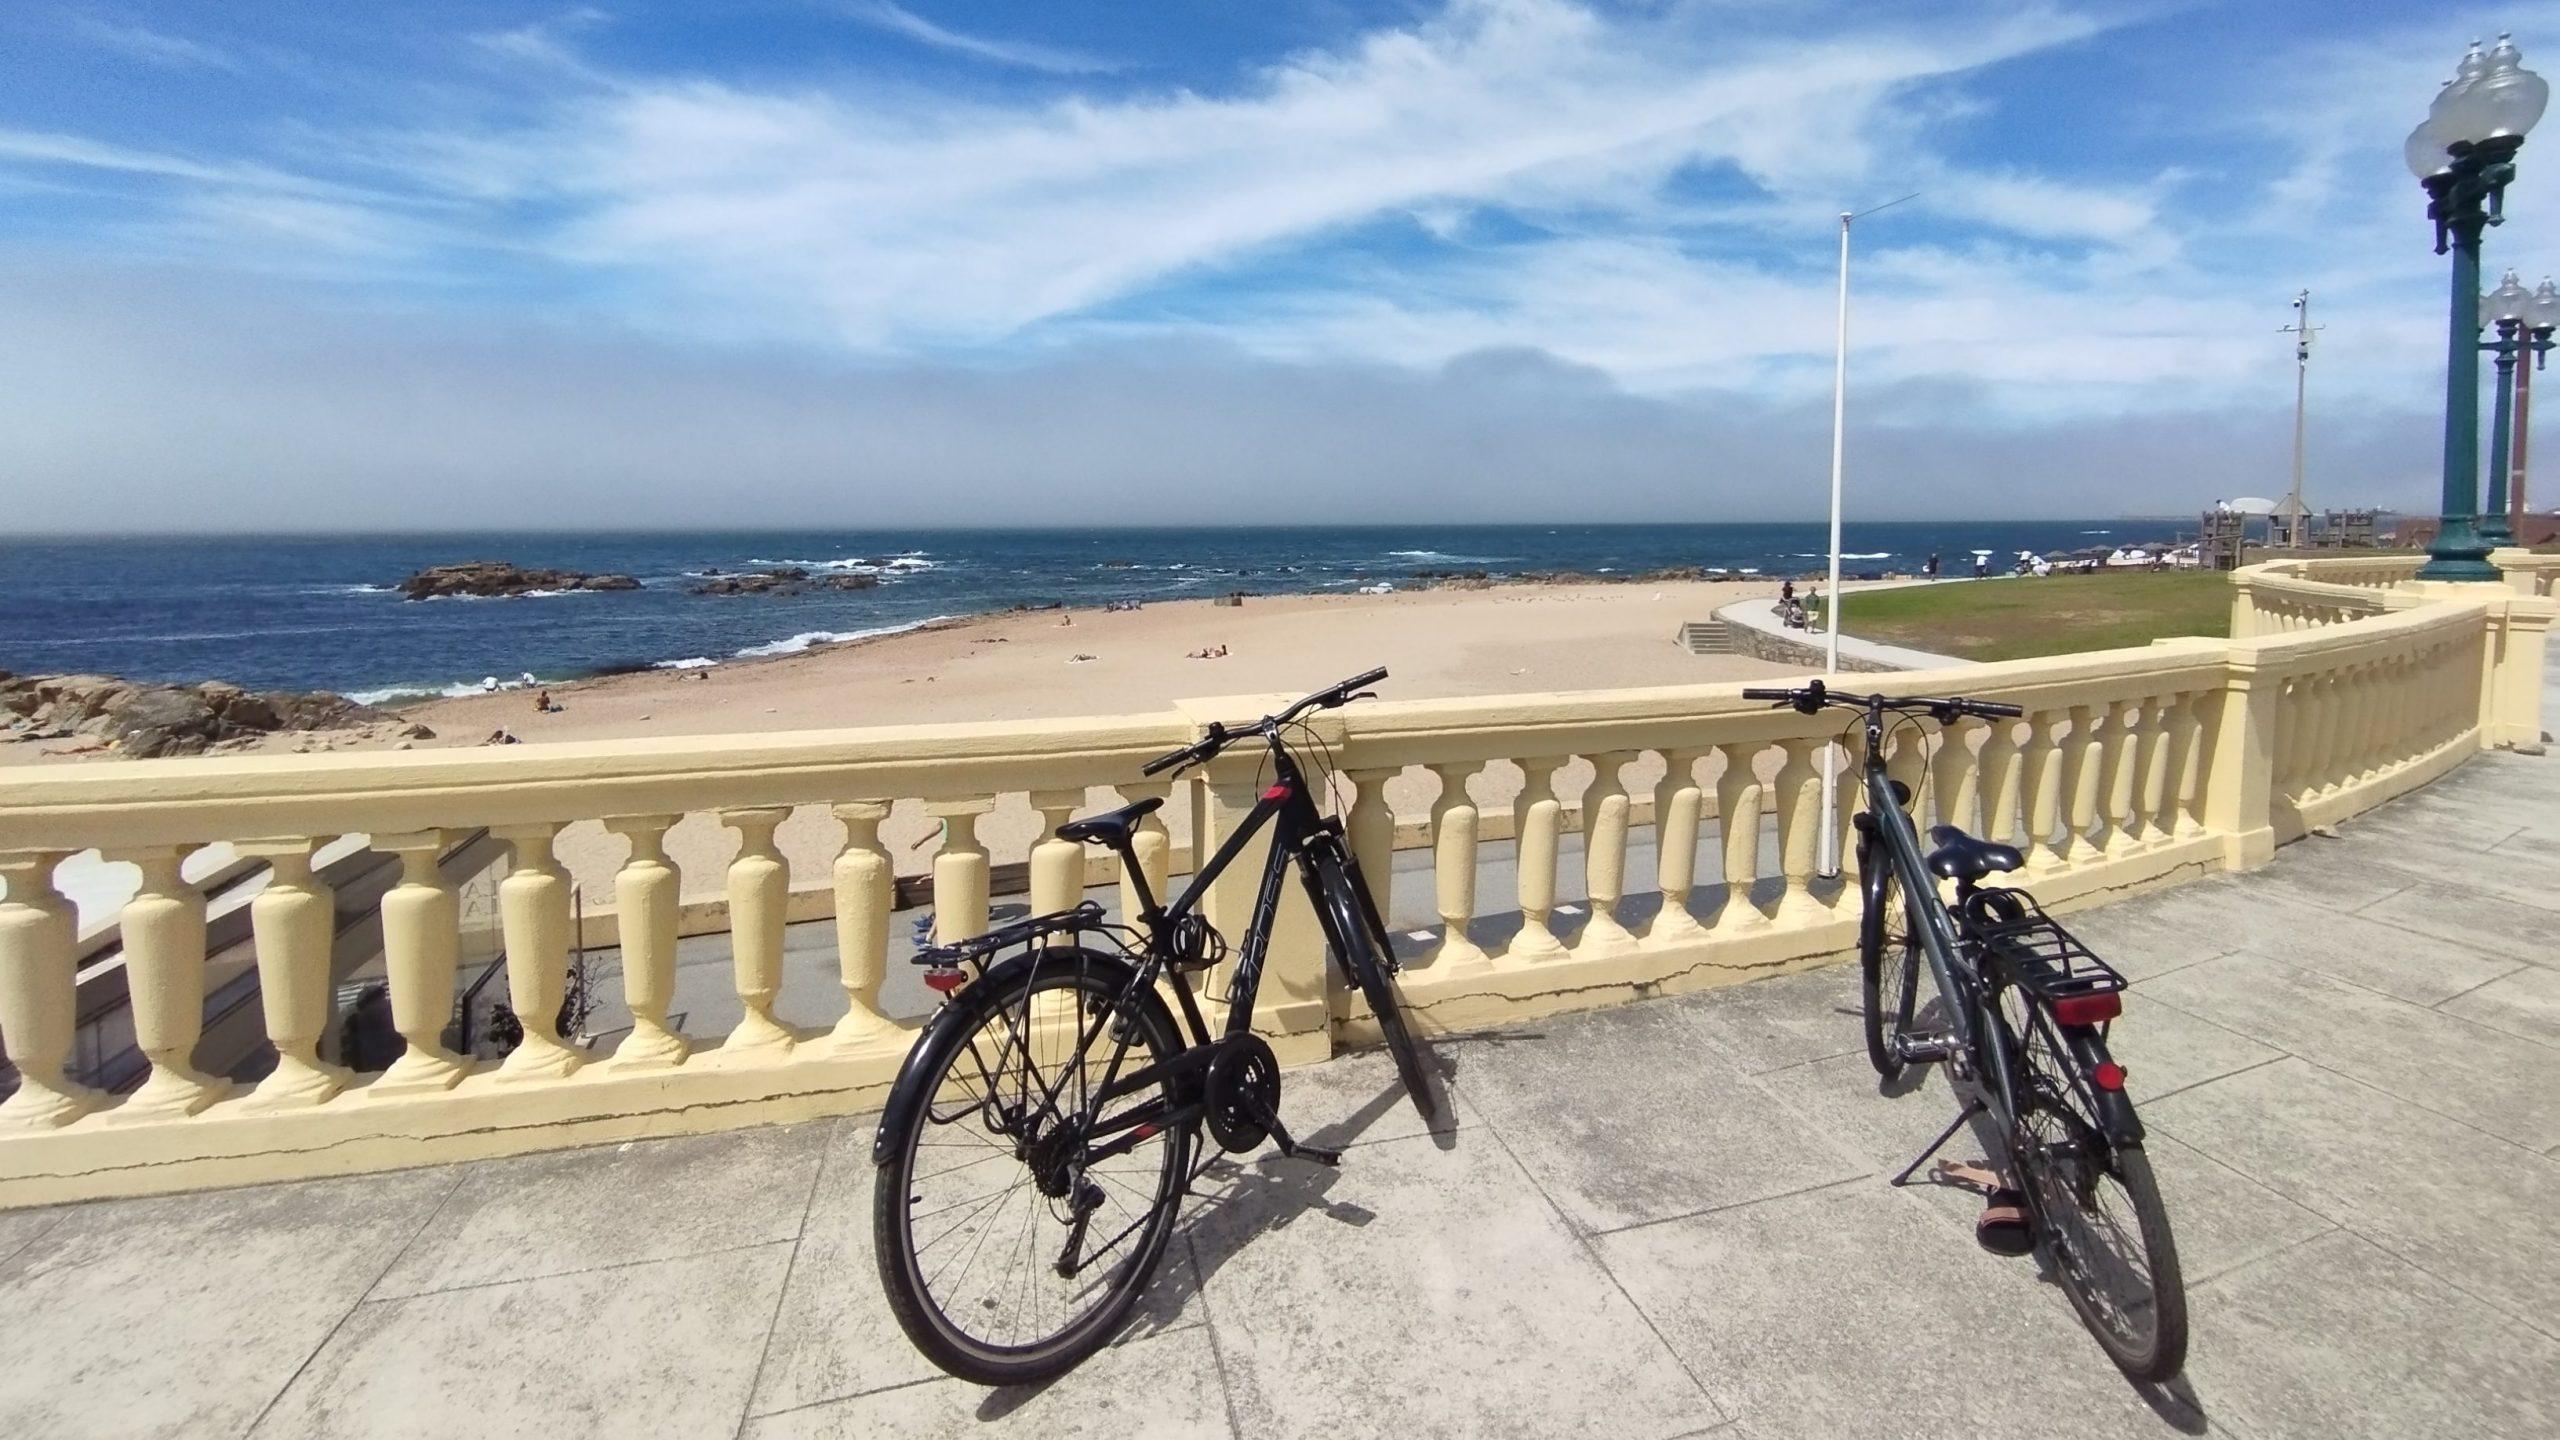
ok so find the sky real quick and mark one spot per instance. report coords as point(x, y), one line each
point(654, 263)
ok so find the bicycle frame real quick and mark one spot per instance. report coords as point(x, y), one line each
point(1289, 812)
point(1962, 986)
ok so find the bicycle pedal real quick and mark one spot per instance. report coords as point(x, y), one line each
point(1321, 1154)
point(1925, 1049)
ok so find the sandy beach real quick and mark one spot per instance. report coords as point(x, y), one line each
point(1038, 664)
point(1436, 643)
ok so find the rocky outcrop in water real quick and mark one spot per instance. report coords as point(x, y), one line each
point(144, 721)
point(787, 580)
point(490, 579)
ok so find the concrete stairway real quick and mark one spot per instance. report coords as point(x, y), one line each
point(1707, 637)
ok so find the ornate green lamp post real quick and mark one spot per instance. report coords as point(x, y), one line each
point(2506, 307)
point(2541, 317)
point(2464, 153)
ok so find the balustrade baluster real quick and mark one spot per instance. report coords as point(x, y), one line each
point(759, 900)
point(2084, 760)
point(959, 871)
point(2124, 761)
point(1848, 797)
point(1999, 785)
point(39, 1001)
point(2328, 700)
point(645, 902)
point(1738, 802)
point(2159, 751)
point(533, 906)
point(163, 927)
point(1953, 778)
point(1454, 821)
point(1154, 849)
point(2043, 758)
point(421, 953)
point(1799, 816)
point(1057, 866)
point(866, 892)
point(293, 922)
point(1676, 807)
point(2188, 781)
point(1604, 845)
point(1541, 823)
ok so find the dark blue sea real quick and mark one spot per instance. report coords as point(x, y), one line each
point(317, 612)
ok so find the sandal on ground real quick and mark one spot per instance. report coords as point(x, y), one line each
point(2002, 1228)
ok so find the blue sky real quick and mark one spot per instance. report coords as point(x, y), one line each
point(842, 260)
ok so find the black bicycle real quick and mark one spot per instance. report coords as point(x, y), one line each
point(1043, 1131)
point(2026, 1009)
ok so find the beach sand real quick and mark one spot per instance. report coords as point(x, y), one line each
point(1437, 643)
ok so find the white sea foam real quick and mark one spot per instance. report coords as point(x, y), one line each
point(810, 639)
point(1447, 558)
point(1845, 555)
point(389, 693)
point(690, 662)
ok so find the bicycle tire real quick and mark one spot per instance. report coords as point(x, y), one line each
point(1888, 965)
point(899, 1190)
point(1348, 919)
point(2159, 1350)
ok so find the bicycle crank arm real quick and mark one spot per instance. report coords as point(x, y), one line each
point(1291, 1149)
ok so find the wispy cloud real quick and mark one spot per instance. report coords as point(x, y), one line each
point(153, 47)
point(1021, 55)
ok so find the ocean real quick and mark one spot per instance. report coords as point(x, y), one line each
point(318, 612)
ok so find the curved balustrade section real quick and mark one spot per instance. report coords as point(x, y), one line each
point(1659, 840)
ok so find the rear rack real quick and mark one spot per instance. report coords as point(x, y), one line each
point(1086, 917)
point(2031, 950)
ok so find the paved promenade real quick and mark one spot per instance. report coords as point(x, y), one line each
point(1664, 1220)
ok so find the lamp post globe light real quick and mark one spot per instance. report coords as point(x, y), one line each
point(2506, 308)
point(2464, 154)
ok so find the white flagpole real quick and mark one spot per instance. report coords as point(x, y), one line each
point(1827, 857)
point(1828, 861)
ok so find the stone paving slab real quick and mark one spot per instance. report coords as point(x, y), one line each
point(1668, 1219)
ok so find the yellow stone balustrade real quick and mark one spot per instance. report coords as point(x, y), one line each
point(2130, 769)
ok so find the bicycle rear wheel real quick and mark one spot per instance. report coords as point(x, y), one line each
point(1888, 965)
point(990, 1187)
point(2098, 1212)
point(1348, 918)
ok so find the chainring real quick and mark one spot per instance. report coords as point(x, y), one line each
point(1242, 1092)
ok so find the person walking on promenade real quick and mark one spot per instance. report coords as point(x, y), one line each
point(1931, 569)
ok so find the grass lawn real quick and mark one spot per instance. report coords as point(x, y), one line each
point(2006, 619)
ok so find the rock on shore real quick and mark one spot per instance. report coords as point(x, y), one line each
point(489, 578)
point(144, 721)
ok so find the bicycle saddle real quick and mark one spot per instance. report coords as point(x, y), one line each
point(1111, 827)
point(1961, 857)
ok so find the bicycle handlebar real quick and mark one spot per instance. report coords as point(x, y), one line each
point(1219, 736)
point(1815, 697)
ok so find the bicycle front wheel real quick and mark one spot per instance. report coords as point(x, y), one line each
point(1888, 964)
point(1009, 1252)
point(1347, 917)
point(2098, 1210)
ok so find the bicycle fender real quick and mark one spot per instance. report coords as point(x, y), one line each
point(950, 1025)
point(908, 1093)
point(2114, 1107)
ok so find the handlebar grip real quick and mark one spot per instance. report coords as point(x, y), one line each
point(1363, 682)
point(1762, 692)
point(1995, 710)
point(1164, 762)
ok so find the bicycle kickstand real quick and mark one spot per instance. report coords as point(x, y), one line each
point(1291, 1149)
point(1971, 1108)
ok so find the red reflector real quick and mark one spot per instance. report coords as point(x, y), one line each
point(1144, 1132)
point(1276, 792)
point(2088, 1009)
point(943, 981)
point(2110, 1076)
